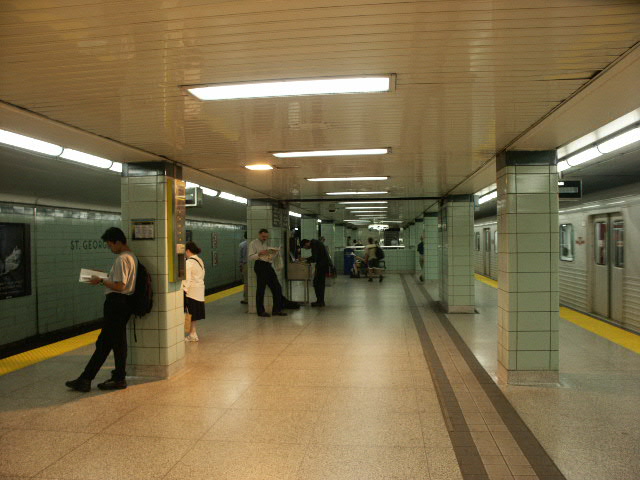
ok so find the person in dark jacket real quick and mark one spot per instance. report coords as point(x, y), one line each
point(320, 257)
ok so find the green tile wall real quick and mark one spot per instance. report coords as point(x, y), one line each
point(65, 240)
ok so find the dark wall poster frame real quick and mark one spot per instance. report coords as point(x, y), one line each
point(15, 260)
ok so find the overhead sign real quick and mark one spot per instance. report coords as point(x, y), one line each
point(570, 189)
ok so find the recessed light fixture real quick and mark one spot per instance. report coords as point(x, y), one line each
point(363, 202)
point(487, 197)
point(288, 88)
point(365, 208)
point(28, 143)
point(369, 211)
point(211, 193)
point(85, 158)
point(258, 167)
point(294, 214)
point(356, 193)
point(333, 153)
point(345, 179)
point(233, 198)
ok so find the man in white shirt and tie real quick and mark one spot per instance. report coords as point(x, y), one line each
point(262, 255)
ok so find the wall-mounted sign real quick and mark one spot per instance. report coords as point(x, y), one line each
point(143, 229)
point(214, 240)
point(214, 258)
point(570, 189)
point(15, 264)
point(279, 217)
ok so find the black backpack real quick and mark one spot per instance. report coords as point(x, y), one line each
point(379, 253)
point(141, 300)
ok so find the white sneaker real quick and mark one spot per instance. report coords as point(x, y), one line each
point(191, 338)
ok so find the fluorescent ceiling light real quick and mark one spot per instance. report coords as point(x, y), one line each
point(28, 143)
point(562, 166)
point(332, 153)
point(287, 88)
point(362, 202)
point(366, 208)
point(233, 198)
point(85, 158)
point(619, 141)
point(359, 212)
point(116, 167)
point(259, 167)
point(487, 197)
point(346, 179)
point(356, 193)
point(212, 193)
point(319, 221)
point(191, 185)
point(583, 157)
point(393, 221)
point(294, 214)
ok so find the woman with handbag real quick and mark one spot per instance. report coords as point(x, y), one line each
point(193, 287)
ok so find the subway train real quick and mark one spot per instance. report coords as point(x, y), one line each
point(599, 254)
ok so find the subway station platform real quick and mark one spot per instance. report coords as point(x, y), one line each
point(379, 384)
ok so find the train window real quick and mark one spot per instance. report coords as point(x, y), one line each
point(495, 242)
point(477, 241)
point(600, 243)
point(566, 242)
point(618, 243)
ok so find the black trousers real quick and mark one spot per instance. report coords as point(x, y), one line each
point(267, 276)
point(319, 279)
point(112, 337)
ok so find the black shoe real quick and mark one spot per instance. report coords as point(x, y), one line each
point(317, 304)
point(79, 384)
point(371, 279)
point(381, 277)
point(264, 314)
point(421, 278)
point(113, 384)
point(279, 314)
point(244, 302)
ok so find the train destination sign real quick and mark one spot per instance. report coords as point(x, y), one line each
point(570, 189)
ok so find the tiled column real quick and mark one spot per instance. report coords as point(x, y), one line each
point(456, 237)
point(159, 350)
point(309, 227)
point(328, 232)
point(528, 253)
point(339, 237)
point(431, 263)
point(261, 215)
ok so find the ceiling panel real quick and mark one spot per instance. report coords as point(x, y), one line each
point(471, 77)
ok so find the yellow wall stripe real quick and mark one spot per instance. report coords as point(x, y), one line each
point(621, 337)
point(22, 360)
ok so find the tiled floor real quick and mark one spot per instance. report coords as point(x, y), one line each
point(342, 392)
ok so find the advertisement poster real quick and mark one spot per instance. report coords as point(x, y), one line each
point(15, 269)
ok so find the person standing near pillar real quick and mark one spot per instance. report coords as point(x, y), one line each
point(119, 285)
point(421, 258)
point(320, 257)
point(244, 270)
point(263, 255)
point(193, 288)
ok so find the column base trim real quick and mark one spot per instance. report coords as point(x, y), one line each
point(157, 371)
point(527, 377)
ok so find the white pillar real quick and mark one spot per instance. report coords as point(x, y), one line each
point(147, 200)
point(528, 257)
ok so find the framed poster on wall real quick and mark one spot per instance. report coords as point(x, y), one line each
point(15, 264)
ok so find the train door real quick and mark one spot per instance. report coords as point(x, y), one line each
point(486, 252)
point(607, 265)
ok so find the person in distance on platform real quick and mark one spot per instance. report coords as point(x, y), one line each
point(119, 285)
point(320, 257)
point(193, 287)
point(262, 255)
point(421, 258)
point(244, 269)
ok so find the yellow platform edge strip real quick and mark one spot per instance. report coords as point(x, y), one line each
point(25, 359)
point(612, 333)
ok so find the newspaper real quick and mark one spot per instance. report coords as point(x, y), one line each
point(86, 274)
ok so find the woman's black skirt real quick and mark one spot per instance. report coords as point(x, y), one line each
point(194, 307)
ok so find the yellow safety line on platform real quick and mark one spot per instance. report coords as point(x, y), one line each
point(25, 359)
point(612, 333)
point(224, 293)
point(32, 357)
